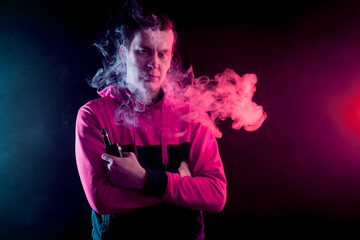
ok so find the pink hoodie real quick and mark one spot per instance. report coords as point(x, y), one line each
point(161, 140)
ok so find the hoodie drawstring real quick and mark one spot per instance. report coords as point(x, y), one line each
point(164, 134)
point(133, 128)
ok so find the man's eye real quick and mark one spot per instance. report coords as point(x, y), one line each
point(162, 55)
point(143, 51)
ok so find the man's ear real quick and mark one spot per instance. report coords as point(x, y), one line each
point(123, 53)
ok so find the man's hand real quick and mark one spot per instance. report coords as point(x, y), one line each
point(184, 169)
point(126, 171)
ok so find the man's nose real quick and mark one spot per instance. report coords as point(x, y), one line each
point(154, 62)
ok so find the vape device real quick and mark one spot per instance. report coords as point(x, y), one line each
point(112, 149)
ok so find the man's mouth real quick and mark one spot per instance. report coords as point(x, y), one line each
point(152, 77)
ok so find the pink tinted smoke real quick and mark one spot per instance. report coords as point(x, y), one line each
point(227, 95)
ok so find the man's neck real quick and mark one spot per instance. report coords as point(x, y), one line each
point(156, 96)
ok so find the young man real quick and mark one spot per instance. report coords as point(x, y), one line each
point(170, 170)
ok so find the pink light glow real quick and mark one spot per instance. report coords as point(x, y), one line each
point(351, 113)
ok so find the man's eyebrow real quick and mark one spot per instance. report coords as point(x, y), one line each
point(145, 47)
point(165, 50)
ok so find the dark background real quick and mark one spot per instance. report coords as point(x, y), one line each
point(297, 176)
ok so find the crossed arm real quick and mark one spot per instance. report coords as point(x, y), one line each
point(126, 172)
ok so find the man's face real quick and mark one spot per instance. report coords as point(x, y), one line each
point(148, 59)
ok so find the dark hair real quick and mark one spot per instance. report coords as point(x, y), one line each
point(121, 31)
point(140, 19)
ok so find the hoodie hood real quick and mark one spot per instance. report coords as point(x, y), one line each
point(114, 92)
point(120, 94)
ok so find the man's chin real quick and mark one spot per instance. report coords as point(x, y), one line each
point(151, 87)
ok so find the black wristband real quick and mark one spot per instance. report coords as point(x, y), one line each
point(156, 183)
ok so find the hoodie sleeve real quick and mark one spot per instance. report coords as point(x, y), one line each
point(206, 189)
point(103, 196)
